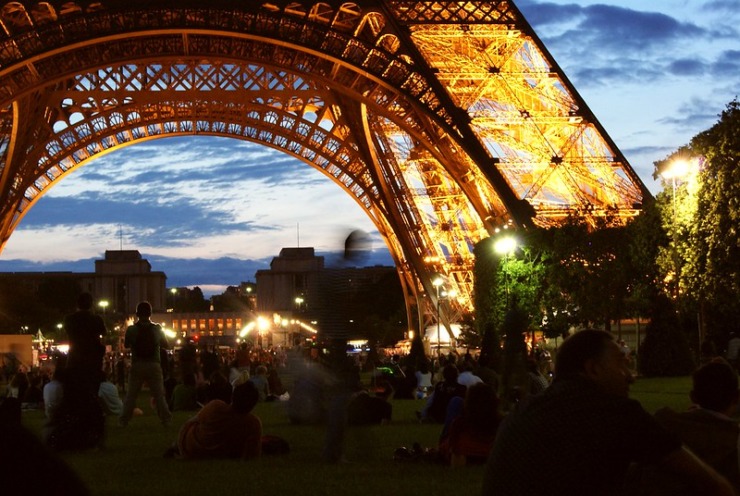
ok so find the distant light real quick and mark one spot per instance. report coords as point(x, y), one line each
point(263, 324)
point(676, 168)
point(505, 245)
point(437, 282)
point(247, 329)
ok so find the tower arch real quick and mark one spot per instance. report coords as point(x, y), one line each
point(443, 120)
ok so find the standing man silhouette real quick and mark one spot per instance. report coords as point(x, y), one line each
point(79, 422)
point(145, 339)
point(85, 331)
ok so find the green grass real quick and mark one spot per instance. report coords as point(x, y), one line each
point(655, 393)
point(132, 462)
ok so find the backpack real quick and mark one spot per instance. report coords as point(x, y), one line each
point(146, 342)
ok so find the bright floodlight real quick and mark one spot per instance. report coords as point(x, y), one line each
point(676, 168)
point(247, 329)
point(437, 282)
point(505, 245)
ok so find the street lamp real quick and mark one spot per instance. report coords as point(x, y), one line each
point(104, 305)
point(437, 283)
point(676, 169)
point(506, 246)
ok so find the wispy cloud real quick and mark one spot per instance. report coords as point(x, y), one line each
point(209, 210)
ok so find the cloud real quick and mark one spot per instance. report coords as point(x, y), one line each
point(687, 67)
point(602, 44)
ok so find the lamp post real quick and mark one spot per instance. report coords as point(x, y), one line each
point(437, 283)
point(678, 169)
point(104, 305)
point(505, 246)
point(675, 170)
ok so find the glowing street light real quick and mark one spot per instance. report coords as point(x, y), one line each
point(104, 305)
point(437, 283)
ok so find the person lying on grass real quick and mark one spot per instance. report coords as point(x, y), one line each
point(222, 430)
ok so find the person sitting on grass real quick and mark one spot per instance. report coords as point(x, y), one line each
point(471, 434)
point(583, 431)
point(184, 395)
point(707, 428)
point(364, 409)
point(222, 430)
point(435, 409)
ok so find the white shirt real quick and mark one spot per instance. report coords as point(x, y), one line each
point(112, 404)
point(53, 393)
point(423, 380)
point(467, 378)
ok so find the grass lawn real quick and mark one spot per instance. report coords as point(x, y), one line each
point(132, 462)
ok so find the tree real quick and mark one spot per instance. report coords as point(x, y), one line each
point(713, 273)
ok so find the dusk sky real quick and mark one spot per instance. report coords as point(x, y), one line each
point(211, 211)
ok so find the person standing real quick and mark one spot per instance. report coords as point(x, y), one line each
point(85, 331)
point(144, 339)
point(78, 421)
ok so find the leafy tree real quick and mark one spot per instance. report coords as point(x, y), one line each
point(713, 272)
point(230, 300)
point(190, 300)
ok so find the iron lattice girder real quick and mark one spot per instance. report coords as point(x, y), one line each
point(460, 95)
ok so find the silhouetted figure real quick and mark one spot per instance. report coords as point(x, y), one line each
point(29, 467)
point(707, 429)
point(306, 405)
point(85, 331)
point(79, 421)
point(222, 430)
point(471, 433)
point(184, 395)
point(365, 409)
point(218, 388)
point(435, 409)
point(145, 339)
point(583, 431)
point(343, 379)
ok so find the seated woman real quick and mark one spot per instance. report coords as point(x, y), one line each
point(435, 409)
point(472, 433)
point(220, 430)
point(184, 396)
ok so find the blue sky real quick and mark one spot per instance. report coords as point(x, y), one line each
point(211, 211)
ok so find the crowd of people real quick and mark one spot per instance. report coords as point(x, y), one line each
point(605, 442)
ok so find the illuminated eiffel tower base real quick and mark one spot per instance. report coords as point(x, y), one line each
point(443, 120)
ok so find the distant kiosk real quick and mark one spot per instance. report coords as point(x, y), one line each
point(430, 338)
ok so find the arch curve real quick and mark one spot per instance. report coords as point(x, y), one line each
point(443, 120)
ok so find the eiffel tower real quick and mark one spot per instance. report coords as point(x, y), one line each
point(444, 120)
